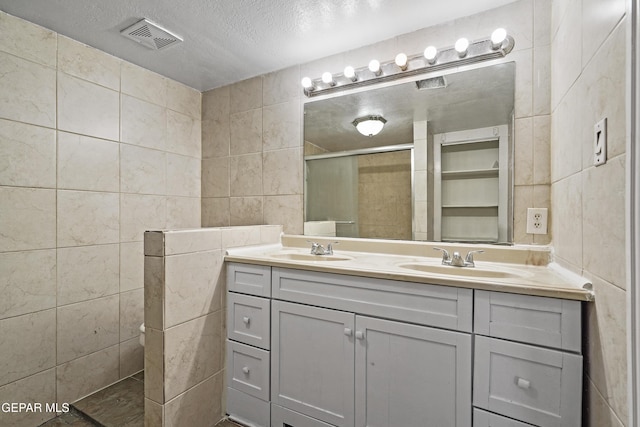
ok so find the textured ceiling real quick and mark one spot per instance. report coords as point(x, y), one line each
point(226, 41)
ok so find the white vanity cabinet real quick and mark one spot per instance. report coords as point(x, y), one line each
point(352, 351)
point(248, 344)
point(366, 356)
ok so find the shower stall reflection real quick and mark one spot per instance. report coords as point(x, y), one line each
point(359, 195)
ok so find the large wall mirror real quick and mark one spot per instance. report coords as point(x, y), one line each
point(439, 170)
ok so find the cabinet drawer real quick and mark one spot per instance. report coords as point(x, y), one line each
point(536, 385)
point(543, 321)
point(248, 319)
point(249, 279)
point(487, 419)
point(247, 409)
point(282, 417)
point(248, 369)
point(441, 306)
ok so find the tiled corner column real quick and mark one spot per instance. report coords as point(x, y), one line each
point(184, 300)
point(421, 181)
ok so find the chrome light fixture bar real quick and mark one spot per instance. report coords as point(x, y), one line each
point(499, 45)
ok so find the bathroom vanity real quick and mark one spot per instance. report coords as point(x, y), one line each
point(315, 342)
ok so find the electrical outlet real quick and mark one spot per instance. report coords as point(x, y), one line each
point(537, 221)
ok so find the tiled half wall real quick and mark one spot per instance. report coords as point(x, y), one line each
point(184, 286)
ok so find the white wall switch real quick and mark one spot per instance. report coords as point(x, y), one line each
point(537, 220)
point(600, 142)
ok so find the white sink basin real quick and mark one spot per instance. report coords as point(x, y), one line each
point(310, 257)
point(448, 270)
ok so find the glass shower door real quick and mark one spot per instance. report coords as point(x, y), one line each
point(331, 193)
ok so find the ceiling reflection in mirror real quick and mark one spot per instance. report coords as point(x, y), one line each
point(391, 185)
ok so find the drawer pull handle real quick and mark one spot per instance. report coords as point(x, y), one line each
point(246, 320)
point(246, 370)
point(359, 335)
point(348, 332)
point(524, 384)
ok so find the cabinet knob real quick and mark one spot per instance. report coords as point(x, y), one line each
point(246, 320)
point(359, 335)
point(246, 370)
point(348, 332)
point(524, 384)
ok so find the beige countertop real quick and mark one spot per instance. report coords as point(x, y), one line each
point(516, 269)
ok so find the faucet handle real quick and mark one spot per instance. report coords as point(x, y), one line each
point(469, 258)
point(445, 255)
point(314, 246)
point(330, 247)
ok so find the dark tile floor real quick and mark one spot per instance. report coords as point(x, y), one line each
point(119, 405)
point(72, 418)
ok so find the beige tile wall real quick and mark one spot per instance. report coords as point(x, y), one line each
point(588, 73)
point(93, 151)
point(185, 319)
point(251, 135)
point(252, 153)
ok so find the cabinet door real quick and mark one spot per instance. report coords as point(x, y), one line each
point(312, 361)
point(409, 375)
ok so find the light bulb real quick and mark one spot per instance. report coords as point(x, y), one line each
point(328, 79)
point(401, 61)
point(307, 83)
point(350, 73)
point(497, 37)
point(374, 67)
point(431, 53)
point(461, 47)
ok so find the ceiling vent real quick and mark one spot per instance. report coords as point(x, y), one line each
point(150, 35)
point(432, 83)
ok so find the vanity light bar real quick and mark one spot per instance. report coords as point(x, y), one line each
point(499, 45)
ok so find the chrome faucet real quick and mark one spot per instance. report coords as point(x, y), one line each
point(318, 249)
point(456, 260)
